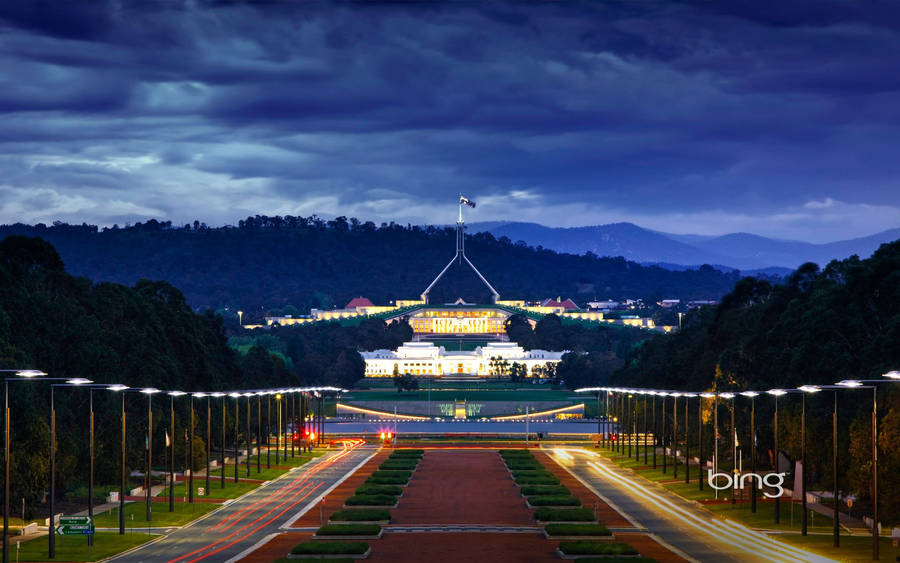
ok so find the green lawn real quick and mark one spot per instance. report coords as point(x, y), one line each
point(468, 395)
point(74, 548)
point(231, 490)
point(161, 517)
point(853, 549)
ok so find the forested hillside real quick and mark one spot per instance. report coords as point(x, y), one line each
point(822, 326)
point(145, 335)
point(273, 262)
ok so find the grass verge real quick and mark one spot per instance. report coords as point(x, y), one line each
point(75, 548)
point(596, 548)
point(361, 515)
point(330, 548)
point(545, 514)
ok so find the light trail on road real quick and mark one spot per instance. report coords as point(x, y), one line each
point(289, 497)
point(751, 541)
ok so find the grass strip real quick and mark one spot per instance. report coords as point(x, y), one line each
point(386, 480)
point(548, 500)
point(314, 560)
point(545, 514)
point(371, 500)
point(393, 490)
point(330, 548)
point(408, 453)
point(539, 490)
point(518, 452)
point(607, 559)
point(524, 466)
point(349, 530)
point(577, 530)
point(582, 547)
point(361, 515)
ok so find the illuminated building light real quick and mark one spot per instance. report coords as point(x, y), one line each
point(533, 415)
point(380, 413)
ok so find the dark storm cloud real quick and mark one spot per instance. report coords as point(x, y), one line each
point(691, 116)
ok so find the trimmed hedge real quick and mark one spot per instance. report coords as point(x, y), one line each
point(538, 490)
point(548, 500)
point(392, 473)
point(371, 500)
point(583, 547)
point(314, 560)
point(552, 480)
point(577, 530)
point(386, 481)
point(361, 514)
point(522, 466)
point(402, 464)
point(545, 514)
point(349, 530)
point(603, 560)
point(407, 453)
point(330, 548)
point(379, 490)
point(516, 452)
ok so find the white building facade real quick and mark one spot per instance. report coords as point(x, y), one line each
point(427, 359)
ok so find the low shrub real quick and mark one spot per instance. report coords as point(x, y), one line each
point(517, 452)
point(582, 547)
point(537, 490)
point(349, 530)
point(401, 465)
point(548, 500)
point(577, 530)
point(551, 480)
point(545, 514)
point(529, 473)
point(314, 560)
point(392, 473)
point(371, 500)
point(386, 480)
point(524, 465)
point(379, 490)
point(408, 453)
point(330, 548)
point(604, 560)
point(361, 515)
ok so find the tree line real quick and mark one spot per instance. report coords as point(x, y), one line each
point(271, 263)
point(821, 326)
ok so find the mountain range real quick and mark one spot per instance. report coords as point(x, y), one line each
point(743, 251)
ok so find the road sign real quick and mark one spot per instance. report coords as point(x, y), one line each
point(75, 526)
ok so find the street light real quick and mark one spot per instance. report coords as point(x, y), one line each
point(687, 441)
point(148, 446)
point(777, 393)
point(803, 516)
point(700, 436)
point(237, 416)
point(278, 435)
point(22, 375)
point(51, 551)
point(201, 395)
point(752, 396)
point(222, 452)
point(172, 395)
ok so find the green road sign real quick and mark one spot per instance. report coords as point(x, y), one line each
point(75, 526)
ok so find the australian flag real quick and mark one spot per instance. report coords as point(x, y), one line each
point(463, 200)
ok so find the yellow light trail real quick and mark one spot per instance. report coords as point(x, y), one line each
point(533, 415)
point(751, 541)
point(381, 413)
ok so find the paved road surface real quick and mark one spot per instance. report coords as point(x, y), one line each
point(678, 522)
point(228, 531)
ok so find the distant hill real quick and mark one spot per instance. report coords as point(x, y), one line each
point(742, 251)
point(274, 262)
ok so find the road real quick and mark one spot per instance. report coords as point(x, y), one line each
point(229, 531)
point(682, 524)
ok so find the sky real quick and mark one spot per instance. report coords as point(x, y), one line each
point(772, 117)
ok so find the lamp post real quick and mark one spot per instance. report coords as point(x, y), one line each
point(734, 468)
point(776, 393)
point(700, 437)
point(237, 415)
point(220, 395)
point(149, 391)
point(171, 444)
point(21, 375)
point(247, 396)
point(269, 430)
point(803, 516)
point(892, 377)
point(665, 456)
point(51, 549)
point(644, 440)
point(752, 396)
point(675, 434)
point(687, 441)
point(201, 395)
point(278, 434)
point(655, 428)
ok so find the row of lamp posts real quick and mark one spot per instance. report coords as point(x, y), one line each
point(624, 414)
point(307, 428)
